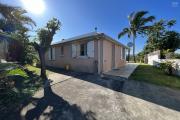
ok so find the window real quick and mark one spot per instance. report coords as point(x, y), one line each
point(52, 54)
point(62, 50)
point(123, 53)
point(83, 49)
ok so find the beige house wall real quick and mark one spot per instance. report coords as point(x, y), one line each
point(101, 62)
point(107, 56)
point(81, 64)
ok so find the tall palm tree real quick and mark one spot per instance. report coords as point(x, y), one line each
point(137, 25)
point(15, 15)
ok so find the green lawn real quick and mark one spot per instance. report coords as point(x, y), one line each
point(37, 70)
point(150, 74)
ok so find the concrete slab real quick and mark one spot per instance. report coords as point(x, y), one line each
point(124, 71)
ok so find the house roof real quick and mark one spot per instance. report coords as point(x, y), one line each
point(91, 34)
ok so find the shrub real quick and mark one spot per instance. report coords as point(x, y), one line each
point(167, 67)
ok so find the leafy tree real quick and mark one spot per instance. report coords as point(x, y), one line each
point(44, 39)
point(170, 41)
point(137, 21)
point(16, 24)
point(155, 33)
point(27, 55)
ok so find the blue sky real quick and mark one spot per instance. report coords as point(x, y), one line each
point(109, 16)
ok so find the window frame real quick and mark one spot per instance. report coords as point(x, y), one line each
point(62, 51)
point(84, 49)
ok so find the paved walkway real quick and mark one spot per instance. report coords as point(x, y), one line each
point(124, 71)
point(88, 97)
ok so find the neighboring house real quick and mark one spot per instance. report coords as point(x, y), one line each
point(93, 53)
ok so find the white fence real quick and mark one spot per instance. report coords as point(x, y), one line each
point(154, 59)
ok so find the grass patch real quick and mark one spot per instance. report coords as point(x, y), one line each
point(19, 72)
point(36, 70)
point(151, 74)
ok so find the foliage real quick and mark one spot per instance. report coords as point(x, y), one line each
point(18, 71)
point(140, 57)
point(151, 74)
point(176, 56)
point(167, 67)
point(170, 41)
point(159, 36)
point(16, 24)
point(15, 86)
point(28, 54)
point(15, 16)
point(138, 25)
point(45, 35)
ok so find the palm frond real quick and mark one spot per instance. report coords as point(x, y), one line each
point(171, 23)
point(146, 20)
point(15, 15)
point(138, 16)
point(130, 17)
point(124, 32)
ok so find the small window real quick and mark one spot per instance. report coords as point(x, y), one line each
point(62, 50)
point(83, 49)
point(51, 53)
point(123, 53)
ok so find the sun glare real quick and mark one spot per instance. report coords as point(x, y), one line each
point(34, 6)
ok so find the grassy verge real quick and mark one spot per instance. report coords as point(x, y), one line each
point(36, 70)
point(150, 74)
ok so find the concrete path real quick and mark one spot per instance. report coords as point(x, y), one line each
point(88, 97)
point(124, 71)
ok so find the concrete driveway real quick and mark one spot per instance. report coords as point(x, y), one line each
point(80, 96)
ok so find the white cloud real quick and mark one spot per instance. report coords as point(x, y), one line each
point(175, 4)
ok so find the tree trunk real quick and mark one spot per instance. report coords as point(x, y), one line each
point(134, 57)
point(43, 66)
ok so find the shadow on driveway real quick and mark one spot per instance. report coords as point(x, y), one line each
point(61, 109)
point(156, 94)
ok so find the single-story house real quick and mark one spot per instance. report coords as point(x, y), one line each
point(92, 52)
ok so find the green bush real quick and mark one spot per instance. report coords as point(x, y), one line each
point(167, 67)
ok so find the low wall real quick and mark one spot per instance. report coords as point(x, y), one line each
point(154, 59)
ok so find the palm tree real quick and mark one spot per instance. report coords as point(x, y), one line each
point(137, 25)
point(15, 15)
